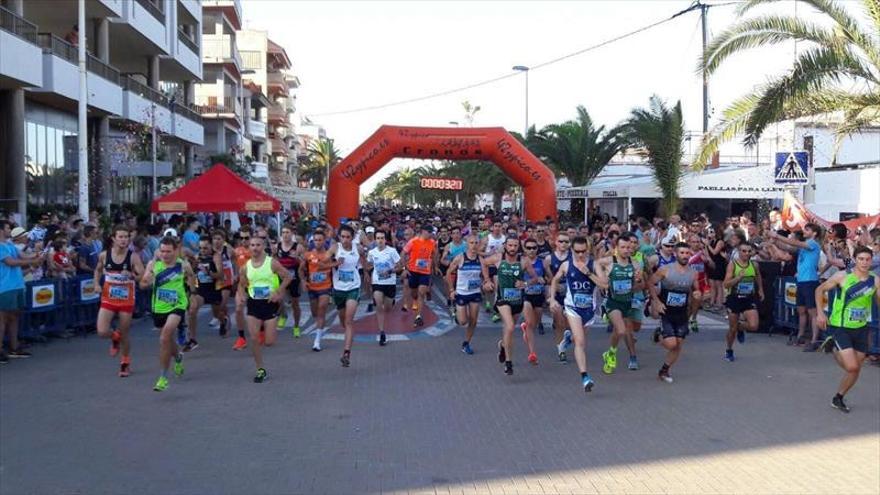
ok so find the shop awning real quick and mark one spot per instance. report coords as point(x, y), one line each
point(721, 183)
point(217, 190)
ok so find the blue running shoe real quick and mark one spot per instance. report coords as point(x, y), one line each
point(181, 336)
point(466, 348)
point(740, 336)
point(566, 340)
point(587, 383)
point(729, 357)
point(633, 363)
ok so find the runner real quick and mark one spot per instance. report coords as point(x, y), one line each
point(208, 266)
point(624, 279)
point(743, 280)
point(384, 261)
point(168, 276)
point(464, 276)
point(508, 285)
point(421, 256)
point(677, 299)
point(346, 285)
point(120, 270)
point(290, 254)
point(492, 243)
point(455, 247)
point(560, 322)
point(850, 312)
point(225, 284)
point(316, 271)
point(403, 242)
point(242, 255)
point(534, 297)
point(580, 279)
point(701, 261)
point(261, 292)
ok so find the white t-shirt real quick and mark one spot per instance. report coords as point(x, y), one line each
point(384, 262)
point(346, 276)
point(493, 244)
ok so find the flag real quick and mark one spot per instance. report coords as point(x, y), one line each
point(795, 215)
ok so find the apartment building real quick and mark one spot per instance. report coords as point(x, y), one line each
point(144, 57)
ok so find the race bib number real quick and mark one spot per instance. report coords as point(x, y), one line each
point(511, 294)
point(318, 277)
point(119, 292)
point(622, 286)
point(676, 299)
point(473, 284)
point(535, 289)
point(422, 264)
point(637, 303)
point(383, 270)
point(205, 278)
point(745, 288)
point(346, 276)
point(582, 301)
point(699, 267)
point(261, 292)
point(858, 314)
point(167, 296)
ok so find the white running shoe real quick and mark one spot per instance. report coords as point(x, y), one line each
point(214, 322)
point(566, 342)
point(317, 345)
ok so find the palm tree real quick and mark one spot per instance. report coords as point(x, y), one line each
point(576, 149)
point(839, 71)
point(659, 131)
point(321, 157)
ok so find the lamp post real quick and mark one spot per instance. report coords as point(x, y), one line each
point(525, 71)
point(82, 110)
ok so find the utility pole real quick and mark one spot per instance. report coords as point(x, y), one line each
point(82, 109)
point(704, 10)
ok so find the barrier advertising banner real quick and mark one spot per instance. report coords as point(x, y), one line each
point(43, 295)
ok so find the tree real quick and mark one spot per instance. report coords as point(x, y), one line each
point(238, 167)
point(839, 71)
point(322, 155)
point(659, 130)
point(576, 149)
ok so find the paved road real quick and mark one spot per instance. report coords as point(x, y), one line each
point(420, 416)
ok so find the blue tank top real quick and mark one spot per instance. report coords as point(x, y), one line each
point(456, 249)
point(661, 261)
point(555, 262)
point(580, 288)
point(536, 289)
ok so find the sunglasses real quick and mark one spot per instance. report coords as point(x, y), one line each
point(563, 241)
point(579, 251)
point(531, 248)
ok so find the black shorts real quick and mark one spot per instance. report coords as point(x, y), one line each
point(159, 319)
point(806, 294)
point(674, 326)
point(515, 307)
point(418, 279)
point(740, 304)
point(850, 338)
point(389, 291)
point(493, 270)
point(293, 288)
point(536, 300)
point(262, 309)
point(443, 269)
point(466, 299)
point(210, 295)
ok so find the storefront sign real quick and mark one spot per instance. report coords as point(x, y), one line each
point(42, 295)
point(572, 193)
point(741, 189)
point(609, 194)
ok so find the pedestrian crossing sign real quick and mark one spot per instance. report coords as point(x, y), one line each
point(792, 167)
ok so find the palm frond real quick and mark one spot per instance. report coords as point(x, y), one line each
point(659, 129)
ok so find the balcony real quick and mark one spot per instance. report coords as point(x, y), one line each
point(221, 49)
point(257, 129)
point(155, 8)
point(145, 105)
point(278, 146)
point(187, 41)
point(18, 51)
point(277, 116)
point(232, 9)
point(276, 83)
point(61, 75)
point(226, 107)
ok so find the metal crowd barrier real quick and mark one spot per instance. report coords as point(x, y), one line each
point(82, 302)
point(43, 312)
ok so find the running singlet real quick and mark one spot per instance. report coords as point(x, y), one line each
point(289, 260)
point(118, 289)
point(555, 263)
point(621, 280)
point(580, 288)
point(508, 274)
point(346, 276)
point(242, 255)
point(228, 274)
point(469, 273)
point(536, 289)
point(661, 261)
point(852, 302)
point(745, 288)
point(442, 244)
point(384, 261)
point(318, 279)
point(455, 250)
point(675, 290)
point(169, 292)
point(493, 244)
point(699, 265)
point(544, 249)
point(262, 281)
point(420, 254)
point(205, 270)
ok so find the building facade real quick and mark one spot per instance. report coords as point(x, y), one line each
point(144, 57)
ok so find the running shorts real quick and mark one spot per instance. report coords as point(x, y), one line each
point(515, 307)
point(739, 304)
point(464, 300)
point(262, 309)
point(340, 297)
point(419, 279)
point(210, 295)
point(293, 288)
point(388, 291)
point(675, 326)
point(536, 300)
point(159, 319)
point(315, 294)
point(587, 315)
point(850, 338)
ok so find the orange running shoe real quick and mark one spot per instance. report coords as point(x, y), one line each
point(115, 337)
point(125, 367)
point(240, 344)
point(533, 358)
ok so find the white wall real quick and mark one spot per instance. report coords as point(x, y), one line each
point(847, 191)
point(18, 60)
point(62, 77)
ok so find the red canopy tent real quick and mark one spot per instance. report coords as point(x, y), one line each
point(217, 190)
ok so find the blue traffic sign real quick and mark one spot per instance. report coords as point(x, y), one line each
point(792, 167)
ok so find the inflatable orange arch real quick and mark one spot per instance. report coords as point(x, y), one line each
point(492, 144)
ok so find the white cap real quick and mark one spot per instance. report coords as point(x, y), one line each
point(371, 229)
point(169, 232)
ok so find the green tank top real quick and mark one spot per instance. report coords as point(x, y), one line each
point(746, 287)
point(621, 280)
point(169, 292)
point(852, 302)
point(262, 281)
point(508, 274)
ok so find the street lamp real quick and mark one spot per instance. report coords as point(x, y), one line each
point(525, 71)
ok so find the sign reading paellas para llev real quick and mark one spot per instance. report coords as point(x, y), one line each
point(792, 167)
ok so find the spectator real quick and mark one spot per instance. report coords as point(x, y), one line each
point(72, 36)
point(11, 292)
point(38, 233)
point(808, 254)
point(191, 236)
point(87, 251)
point(20, 239)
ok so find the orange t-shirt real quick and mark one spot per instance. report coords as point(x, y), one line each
point(318, 279)
point(242, 256)
point(421, 252)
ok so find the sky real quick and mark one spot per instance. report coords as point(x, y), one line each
point(349, 55)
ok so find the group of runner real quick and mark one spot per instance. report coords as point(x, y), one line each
point(513, 271)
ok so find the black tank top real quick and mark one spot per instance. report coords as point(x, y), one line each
point(111, 266)
point(288, 259)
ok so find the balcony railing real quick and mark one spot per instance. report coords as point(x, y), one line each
point(279, 147)
point(189, 111)
point(220, 48)
point(96, 66)
point(208, 105)
point(145, 91)
point(257, 128)
point(252, 59)
point(154, 8)
point(186, 40)
point(60, 48)
point(17, 25)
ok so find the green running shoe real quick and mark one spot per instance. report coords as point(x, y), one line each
point(282, 320)
point(496, 318)
point(178, 365)
point(610, 361)
point(161, 384)
point(296, 332)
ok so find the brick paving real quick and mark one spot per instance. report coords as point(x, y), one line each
point(421, 417)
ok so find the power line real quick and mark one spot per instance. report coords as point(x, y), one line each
point(499, 78)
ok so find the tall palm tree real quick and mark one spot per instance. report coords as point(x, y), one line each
point(839, 71)
point(577, 149)
point(321, 157)
point(659, 131)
